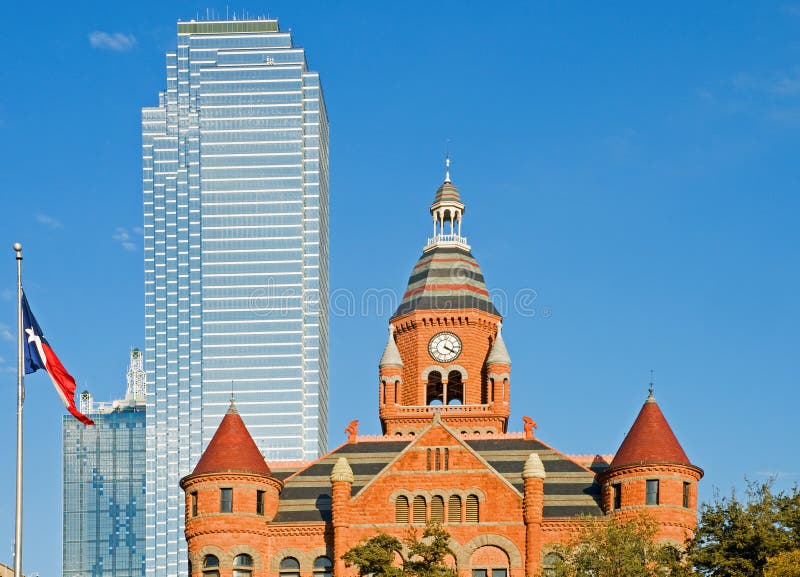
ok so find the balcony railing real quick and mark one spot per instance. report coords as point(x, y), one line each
point(448, 239)
point(444, 410)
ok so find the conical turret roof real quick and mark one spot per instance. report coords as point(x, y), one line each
point(391, 354)
point(498, 354)
point(232, 449)
point(650, 440)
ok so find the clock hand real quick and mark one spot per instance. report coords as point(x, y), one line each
point(449, 348)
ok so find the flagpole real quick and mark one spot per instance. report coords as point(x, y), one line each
point(20, 400)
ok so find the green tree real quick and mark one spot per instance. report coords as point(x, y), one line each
point(786, 564)
point(425, 556)
point(376, 556)
point(615, 548)
point(740, 538)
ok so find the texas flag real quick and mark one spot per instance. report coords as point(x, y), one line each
point(39, 355)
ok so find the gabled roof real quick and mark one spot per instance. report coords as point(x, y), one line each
point(650, 440)
point(232, 449)
point(569, 489)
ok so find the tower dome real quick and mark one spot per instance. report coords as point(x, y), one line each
point(442, 333)
point(446, 276)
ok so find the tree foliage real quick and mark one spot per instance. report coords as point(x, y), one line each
point(616, 548)
point(755, 537)
point(421, 557)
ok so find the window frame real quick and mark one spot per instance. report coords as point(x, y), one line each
point(226, 504)
point(652, 497)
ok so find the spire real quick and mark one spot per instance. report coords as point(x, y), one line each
point(650, 440)
point(232, 449)
point(498, 354)
point(391, 354)
point(447, 210)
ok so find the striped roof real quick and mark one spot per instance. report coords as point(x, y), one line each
point(446, 278)
point(447, 194)
point(569, 489)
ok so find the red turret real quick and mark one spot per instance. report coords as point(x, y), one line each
point(230, 497)
point(651, 473)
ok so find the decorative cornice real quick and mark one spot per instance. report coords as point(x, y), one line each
point(651, 468)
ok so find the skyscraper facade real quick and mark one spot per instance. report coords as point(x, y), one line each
point(235, 179)
point(104, 485)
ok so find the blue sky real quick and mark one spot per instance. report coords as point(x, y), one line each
point(631, 180)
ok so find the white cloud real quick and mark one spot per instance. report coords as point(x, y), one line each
point(123, 237)
point(6, 334)
point(48, 221)
point(116, 41)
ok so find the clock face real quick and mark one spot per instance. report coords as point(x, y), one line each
point(444, 347)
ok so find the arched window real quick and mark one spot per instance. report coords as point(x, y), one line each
point(434, 392)
point(437, 509)
point(455, 388)
point(419, 509)
point(289, 567)
point(210, 566)
point(323, 567)
point(401, 509)
point(242, 565)
point(454, 509)
point(473, 509)
point(549, 564)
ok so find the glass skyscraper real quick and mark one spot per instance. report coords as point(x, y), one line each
point(104, 485)
point(235, 178)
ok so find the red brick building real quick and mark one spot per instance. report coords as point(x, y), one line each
point(446, 454)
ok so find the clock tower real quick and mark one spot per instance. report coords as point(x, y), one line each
point(445, 354)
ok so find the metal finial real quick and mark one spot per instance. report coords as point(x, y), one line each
point(18, 250)
point(447, 168)
point(650, 388)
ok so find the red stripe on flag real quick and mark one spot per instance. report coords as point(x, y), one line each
point(64, 383)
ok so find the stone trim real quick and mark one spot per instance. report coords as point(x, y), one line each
point(444, 371)
point(499, 541)
point(305, 563)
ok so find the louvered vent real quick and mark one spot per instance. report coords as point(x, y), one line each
point(401, 509)
point(419, 509)
point(454, 509)
point(473, 509)
point(437, 509)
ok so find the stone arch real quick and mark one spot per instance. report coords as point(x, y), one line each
point(455, 388)
point(504, 543)
point(196, 559)
point(302, 558)
point(459, 369)
point(489, 556)
point(428, 370)
point(434, 387)
point(318, 552)
point(239, 549)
